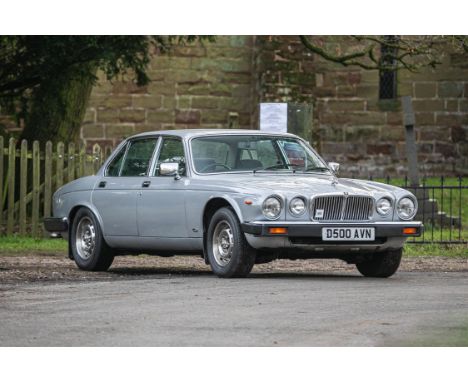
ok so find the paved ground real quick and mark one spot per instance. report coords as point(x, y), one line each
point(276, 306)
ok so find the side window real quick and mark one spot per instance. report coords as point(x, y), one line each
point(294, 151)
point(138, 157)
point(172, 150)
point(114, 167)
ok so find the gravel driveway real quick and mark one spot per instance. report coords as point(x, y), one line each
point(45, 301)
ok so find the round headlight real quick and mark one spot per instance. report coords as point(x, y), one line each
point(271, 207)
point(406, 208)
point(383, 206)
point(297, 206)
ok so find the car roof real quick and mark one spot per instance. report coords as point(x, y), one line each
point(188, 133)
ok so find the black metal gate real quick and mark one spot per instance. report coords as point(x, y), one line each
point(442, 207)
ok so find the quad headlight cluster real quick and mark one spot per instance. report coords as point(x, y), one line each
point(273, 205)
point(406, 207)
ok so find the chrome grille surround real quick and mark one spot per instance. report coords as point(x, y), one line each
point(342, 207)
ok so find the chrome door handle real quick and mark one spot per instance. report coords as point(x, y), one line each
point(146, 183)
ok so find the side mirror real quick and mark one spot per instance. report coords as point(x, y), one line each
point(169, 169)
point(335, 167)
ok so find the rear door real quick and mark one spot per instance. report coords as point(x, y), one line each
point(115, 194)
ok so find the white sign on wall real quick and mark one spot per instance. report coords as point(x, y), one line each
point(274, 117)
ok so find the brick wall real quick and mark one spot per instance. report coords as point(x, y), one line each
point(194, 86)
point(221, 83)
point(356, 128)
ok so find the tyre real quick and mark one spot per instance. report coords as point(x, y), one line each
point(382, 264)
point(229, 254)
point(89, 250)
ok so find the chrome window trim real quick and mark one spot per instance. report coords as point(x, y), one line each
point(158, 152)
point(129, 143)
point(125, 146)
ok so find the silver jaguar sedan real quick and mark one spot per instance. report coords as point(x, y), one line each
point(236, 198)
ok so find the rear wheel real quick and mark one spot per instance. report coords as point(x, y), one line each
point(228, 252)
point(381, 264)
point(89, 249)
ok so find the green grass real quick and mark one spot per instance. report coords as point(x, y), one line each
point(16, 244)
point(453, 250)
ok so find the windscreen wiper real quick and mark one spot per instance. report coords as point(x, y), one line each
point(321, 169)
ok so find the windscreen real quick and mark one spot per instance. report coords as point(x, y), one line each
point(234, 153)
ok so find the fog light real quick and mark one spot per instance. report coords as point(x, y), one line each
point(278, 230)
point(410, 231)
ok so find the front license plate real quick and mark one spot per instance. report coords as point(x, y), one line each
point(348, 234)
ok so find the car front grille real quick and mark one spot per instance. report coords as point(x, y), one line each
point(342, 208)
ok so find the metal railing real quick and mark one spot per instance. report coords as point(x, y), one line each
point(442, 207)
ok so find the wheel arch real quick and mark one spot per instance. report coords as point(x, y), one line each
point(213, 205)
point(71, 217)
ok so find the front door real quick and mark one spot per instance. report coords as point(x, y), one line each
point(161, 204)
point(115, 194)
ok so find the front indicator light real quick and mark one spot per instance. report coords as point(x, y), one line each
point(277, 230)
point(410, 231)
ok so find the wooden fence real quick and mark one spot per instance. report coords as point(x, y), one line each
point(29, 177)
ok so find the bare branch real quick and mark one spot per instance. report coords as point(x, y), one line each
point(410, 53)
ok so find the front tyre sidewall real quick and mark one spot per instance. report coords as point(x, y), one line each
point(382, 264)
point(243, 256)
point(102, 258)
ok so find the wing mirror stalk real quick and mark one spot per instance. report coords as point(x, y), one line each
point(335, 167)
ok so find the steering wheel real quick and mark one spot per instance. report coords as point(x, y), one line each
point(214, 165)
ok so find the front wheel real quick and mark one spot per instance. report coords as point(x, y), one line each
point(228, 252)
point(381, 264)
point(90, 251)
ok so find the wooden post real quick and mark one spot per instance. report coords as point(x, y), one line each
point(2, 153)
point(11, 186)
point(97, 157)
point(60, 153)
point(411, 149)
point(36, 185)
point(71, 161)
point(82, 161)
point(23, 187)
point(48, 179)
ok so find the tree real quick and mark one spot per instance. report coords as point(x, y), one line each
point(401, 52)
point(46, 81)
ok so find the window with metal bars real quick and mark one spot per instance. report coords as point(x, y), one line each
point(388, 73)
